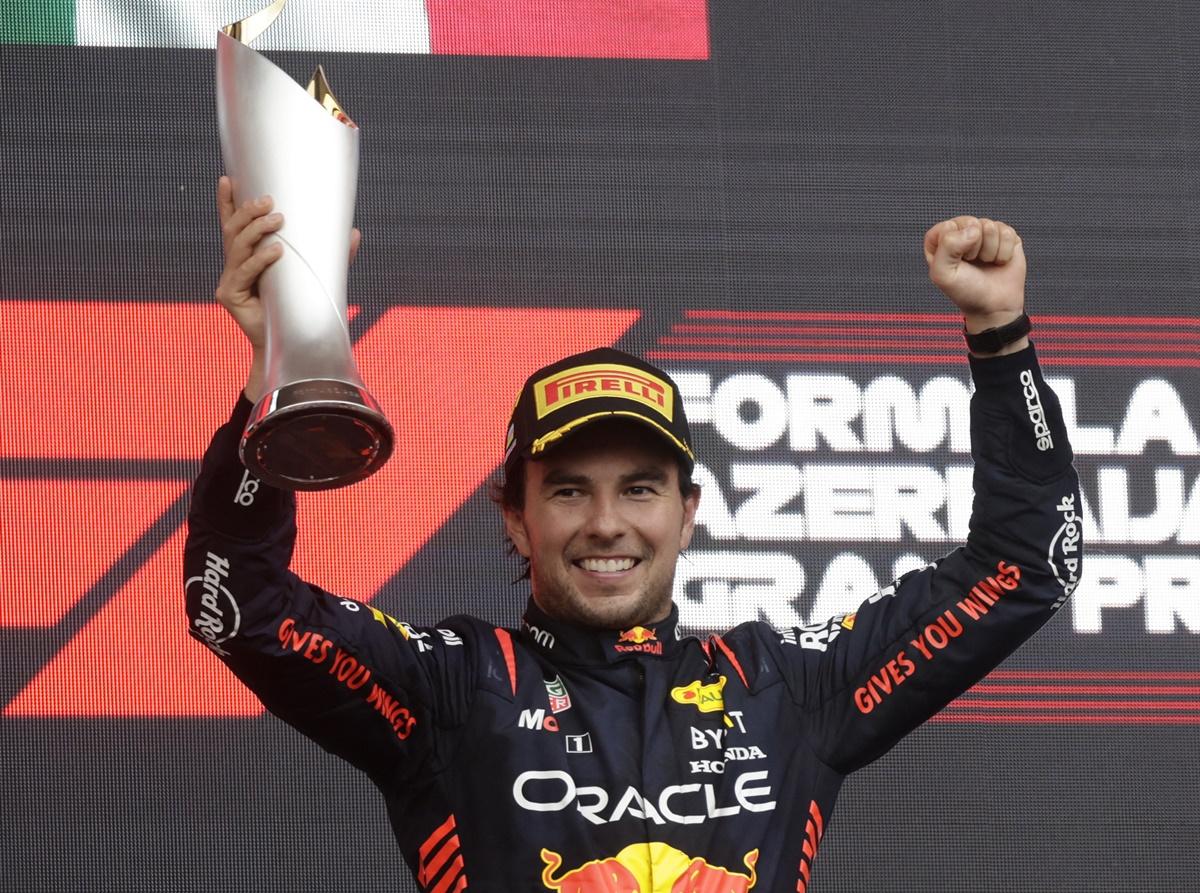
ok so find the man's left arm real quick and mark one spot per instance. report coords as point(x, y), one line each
point(867, 679)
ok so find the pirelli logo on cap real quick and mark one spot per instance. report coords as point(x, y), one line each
point(603, 380)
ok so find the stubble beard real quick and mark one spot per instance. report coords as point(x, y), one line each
point(562, 600)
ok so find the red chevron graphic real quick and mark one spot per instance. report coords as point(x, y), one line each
point(115, 381)
point(446, 377)
point(60, 536)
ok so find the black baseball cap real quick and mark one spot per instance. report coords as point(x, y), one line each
point(565, 396)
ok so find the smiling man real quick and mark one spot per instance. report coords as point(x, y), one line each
point(601, 519)
point(595, 747)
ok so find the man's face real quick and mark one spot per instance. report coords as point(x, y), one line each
point(603, 525)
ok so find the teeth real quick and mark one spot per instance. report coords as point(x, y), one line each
point(607, 565)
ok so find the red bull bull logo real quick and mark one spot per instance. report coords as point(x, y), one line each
point(639, 638)
point(648, 868)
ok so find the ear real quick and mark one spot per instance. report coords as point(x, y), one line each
point(514, 525)
point(689, 519)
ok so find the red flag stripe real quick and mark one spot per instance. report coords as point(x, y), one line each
point(632, 29)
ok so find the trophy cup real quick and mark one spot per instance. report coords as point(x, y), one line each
point(317, 427)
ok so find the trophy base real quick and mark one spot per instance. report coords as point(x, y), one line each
point(316, 435)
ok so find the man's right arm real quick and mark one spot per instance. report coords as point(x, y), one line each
point(360, 683)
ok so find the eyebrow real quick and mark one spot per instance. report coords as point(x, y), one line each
point(559, 477)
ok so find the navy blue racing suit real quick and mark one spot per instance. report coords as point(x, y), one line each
point(558, 757)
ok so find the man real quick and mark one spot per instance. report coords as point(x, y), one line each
point(594, 748)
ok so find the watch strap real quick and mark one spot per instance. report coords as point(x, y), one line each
point(992, 340)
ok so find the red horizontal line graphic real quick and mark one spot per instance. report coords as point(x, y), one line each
point(898, 331)
point(1118, 320)
point(1173, 362)
point(1180, 675)
point(1042, 335)
point(1065, 704)
point(1075, 334)
point(1115, 719)
point(750, 357)
point(1047, 359)
point(947, 342)
point(868, 316)
point(985, 688)
point(831, 315)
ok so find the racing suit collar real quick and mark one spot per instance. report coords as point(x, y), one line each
point(589, 645)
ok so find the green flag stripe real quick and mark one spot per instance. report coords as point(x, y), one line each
point(37, 21)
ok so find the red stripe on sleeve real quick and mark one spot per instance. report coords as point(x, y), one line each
point(728, 652)
point(510, 659)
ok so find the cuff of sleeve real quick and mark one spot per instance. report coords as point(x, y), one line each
point(241, 411)
point(1016, 417)
point(227, 496)
point(990, 373)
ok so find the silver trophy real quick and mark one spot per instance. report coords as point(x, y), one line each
point(317, 427)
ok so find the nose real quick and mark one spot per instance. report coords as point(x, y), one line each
point(605, 521)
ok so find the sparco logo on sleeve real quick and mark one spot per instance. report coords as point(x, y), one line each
point(216, 618)
point(1037, 415)
point(246, 490)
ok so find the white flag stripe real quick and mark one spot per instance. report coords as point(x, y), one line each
point(372, 26)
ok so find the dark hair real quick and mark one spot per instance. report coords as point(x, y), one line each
point(509, 493)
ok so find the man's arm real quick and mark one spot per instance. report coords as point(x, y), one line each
point(867, 679)
point(362, 684)
point(979, 264)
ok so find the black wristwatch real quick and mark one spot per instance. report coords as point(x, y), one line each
point(992, 340)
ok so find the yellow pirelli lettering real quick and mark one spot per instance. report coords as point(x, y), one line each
point(603, 380)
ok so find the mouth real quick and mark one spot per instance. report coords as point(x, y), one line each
point(607, 565)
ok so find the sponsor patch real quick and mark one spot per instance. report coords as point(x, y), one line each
point(705, 697)
point(640, 639)
point(217, 616)
point(1063, 554)
point(246, 490)
point(603, 380)
point(1037, 415)
point(556, 691)
point(579, 743)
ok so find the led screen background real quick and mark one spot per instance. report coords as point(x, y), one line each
point(743, 203)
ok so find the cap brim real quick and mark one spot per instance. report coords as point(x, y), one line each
point(555, 437)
